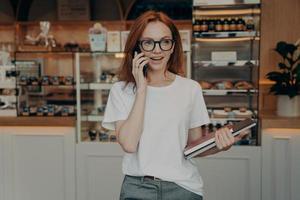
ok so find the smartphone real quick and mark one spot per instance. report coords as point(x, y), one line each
point(145, 68)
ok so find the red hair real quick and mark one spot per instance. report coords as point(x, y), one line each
point(175, 63)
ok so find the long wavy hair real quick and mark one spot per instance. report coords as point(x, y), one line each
point(175, 63)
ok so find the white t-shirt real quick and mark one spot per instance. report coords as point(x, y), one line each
point(170, 111)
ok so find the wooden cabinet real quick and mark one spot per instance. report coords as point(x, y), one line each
point(37, 163)
point(280, 164)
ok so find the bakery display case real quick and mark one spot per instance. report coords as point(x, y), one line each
point(95, 74)
point(225, 61)
point(46, 84)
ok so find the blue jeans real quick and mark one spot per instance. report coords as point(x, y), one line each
point(140, 188)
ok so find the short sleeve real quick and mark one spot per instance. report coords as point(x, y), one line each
point(199, 115)
point(115, 108)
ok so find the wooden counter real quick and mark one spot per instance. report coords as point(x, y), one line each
point(271, 120)
point(38, 121)
point(268, 120)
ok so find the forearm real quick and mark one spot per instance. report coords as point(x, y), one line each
point(212, 151)
point(130, 132)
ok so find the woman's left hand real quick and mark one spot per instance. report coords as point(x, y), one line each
point(225, 139)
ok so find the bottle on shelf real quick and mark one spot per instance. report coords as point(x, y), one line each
point(225, 25)
point(219, 26)
point(241, 25)
point(232, 24)
point(211, 25)
point(204, 25)
point(250, 24)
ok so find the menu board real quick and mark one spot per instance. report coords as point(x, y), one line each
point(73, 10)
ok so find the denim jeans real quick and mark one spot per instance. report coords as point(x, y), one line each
point(140, 188)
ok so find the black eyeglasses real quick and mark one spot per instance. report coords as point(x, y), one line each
point(149, 44)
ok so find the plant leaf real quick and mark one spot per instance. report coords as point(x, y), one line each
point(282, 66)
point(280, 48)
point(275, 76)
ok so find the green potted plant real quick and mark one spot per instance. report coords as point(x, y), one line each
point(287, 79)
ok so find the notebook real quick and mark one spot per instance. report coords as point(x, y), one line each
point(207, 142)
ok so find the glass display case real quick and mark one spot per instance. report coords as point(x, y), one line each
point(8, 73)
point(95, 75)
point(225, 61)
point(46, 84)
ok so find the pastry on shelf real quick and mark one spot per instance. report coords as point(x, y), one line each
point(218, 113)
point(205, 85)
point(223, 85)
point(243, 85)
point(242, 113)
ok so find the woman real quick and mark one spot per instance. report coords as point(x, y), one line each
point(156, 114)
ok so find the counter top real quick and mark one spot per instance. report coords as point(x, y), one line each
point(38, 121)
point(268, 120)
point(271, 120)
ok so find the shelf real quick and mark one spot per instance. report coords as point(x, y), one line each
point(227, 92)
point(207, 11)
point(7, 85)
point(230, 39)
point(217, 64)
point(96, 86)
point(225, 120)
point(92, 118)
point(39, 85)
point(224, 34)
point(37, 121)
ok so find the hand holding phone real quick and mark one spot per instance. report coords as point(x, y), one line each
point(145, 68)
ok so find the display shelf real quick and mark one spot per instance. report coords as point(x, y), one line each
point(225, 45)
point(236, 64)
point(229, 34)
point(229, 39)
point(96, 86)
point(92, 118)
point(7, 84)
point(217, 92)
point(209, 11)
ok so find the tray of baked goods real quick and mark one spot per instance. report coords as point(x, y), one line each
point(227, 87)
point(231, 114)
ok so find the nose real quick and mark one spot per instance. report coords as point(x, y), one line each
point(156, 48)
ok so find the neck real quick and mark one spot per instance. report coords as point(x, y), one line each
point(160, 77)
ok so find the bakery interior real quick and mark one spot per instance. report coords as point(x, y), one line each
point(58, 61)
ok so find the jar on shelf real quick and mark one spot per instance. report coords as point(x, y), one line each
point(204, 25)
point(219, 26)
point(241, 25)
point(232, 24)
point(226, 25)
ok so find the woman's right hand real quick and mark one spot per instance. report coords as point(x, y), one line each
point(138, 62)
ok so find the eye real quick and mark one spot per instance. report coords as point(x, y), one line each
point(147, 42)
point(166, 42)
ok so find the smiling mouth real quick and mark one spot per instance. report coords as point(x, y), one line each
point(157, 58)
